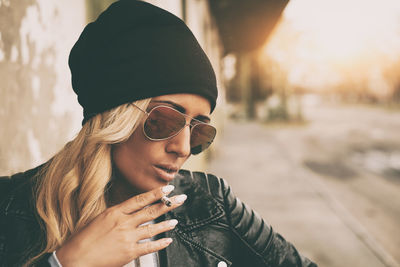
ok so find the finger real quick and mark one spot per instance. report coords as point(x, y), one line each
point(156, 210)
point(150, 230)
point(152, 246)
point(140, 201)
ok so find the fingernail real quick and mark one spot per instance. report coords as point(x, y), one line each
point(167, 241)
point(172, 222)
point(180, 199)
point(167, 189)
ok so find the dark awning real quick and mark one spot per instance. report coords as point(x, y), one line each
point(244, 25)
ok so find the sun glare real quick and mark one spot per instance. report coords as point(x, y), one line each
point(322, 42)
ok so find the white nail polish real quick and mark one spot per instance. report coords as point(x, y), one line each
point(172, 222)
point(167, 189)
point(167, 241)
point(180, 199)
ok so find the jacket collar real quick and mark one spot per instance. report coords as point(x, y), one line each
point(200, 208)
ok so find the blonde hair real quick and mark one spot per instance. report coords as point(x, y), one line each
point(71, 189)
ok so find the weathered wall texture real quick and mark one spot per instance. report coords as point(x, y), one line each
point(38, 110)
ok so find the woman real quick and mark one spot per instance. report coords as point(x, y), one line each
point(147, 90)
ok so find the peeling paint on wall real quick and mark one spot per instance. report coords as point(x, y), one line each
point(38, 109)
point(34, 148)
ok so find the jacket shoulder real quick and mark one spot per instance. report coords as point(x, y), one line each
point(17, 192)
point(9, 183)
point(201, 206)
point(20, 232)
point(215, 186)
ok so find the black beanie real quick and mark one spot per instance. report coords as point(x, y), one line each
point(133, 51)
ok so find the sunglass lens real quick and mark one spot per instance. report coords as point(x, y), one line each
point(163, 122)
point(201, 138)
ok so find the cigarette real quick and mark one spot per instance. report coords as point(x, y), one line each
point(166, 201)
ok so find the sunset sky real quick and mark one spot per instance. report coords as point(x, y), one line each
point(324, 43)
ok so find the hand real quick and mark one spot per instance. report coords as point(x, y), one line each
point(111, 239)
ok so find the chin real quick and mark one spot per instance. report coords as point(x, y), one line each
point(150, 184)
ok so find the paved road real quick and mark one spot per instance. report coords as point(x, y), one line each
point(330, 186)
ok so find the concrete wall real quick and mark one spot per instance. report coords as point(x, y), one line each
point(39, 112)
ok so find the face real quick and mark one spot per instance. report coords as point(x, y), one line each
point(143, 164)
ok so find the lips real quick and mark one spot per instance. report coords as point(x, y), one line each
point(166, 172)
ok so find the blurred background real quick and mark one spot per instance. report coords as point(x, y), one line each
point(308, 111)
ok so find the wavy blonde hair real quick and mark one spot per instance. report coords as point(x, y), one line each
point(71, 188)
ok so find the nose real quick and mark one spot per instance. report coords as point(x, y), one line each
point(180, 144)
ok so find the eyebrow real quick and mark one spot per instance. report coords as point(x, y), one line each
point(180, 108)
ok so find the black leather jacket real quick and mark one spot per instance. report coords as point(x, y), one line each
point(214, 227)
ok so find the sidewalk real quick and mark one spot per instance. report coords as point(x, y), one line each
point(263, 170)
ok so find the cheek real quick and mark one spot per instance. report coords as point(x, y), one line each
point(135, 158)
point(123, 158)
point(126, 155)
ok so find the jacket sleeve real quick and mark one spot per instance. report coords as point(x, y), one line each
point(19, 230)
point(255, 234)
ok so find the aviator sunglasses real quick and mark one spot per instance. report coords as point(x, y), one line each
point(164, 122)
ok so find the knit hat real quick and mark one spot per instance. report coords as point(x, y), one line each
point(133, 51)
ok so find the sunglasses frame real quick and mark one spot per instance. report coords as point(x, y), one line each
point(147, 113)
